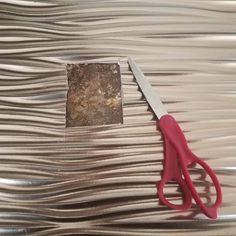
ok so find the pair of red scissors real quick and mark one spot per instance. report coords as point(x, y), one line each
point(177, 155)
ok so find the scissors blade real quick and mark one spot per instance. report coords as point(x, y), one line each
point(152, 97)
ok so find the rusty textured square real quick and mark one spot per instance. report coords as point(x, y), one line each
point(94, 96)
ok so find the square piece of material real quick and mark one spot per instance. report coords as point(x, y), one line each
point(94, 95)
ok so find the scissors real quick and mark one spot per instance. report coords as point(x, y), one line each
point(177, 155)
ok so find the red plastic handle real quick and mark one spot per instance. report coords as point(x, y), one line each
point(174, 139)
point(172, 172)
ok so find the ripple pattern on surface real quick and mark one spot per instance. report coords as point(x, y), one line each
point(101, 180)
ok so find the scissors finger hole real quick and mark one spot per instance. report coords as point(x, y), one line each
point(173, 193)
point(203, 184)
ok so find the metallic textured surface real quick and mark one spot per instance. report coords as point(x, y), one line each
point(101, 180)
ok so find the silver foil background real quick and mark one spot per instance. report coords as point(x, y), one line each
point(101, 180)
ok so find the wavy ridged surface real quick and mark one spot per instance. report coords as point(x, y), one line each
point(101, 180)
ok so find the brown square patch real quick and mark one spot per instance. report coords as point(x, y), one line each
point(94, 95)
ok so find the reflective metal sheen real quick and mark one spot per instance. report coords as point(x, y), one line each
point(101, 180)
point(152, 97)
